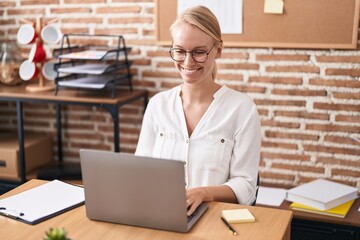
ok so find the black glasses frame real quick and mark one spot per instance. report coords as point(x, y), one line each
point(192, 54)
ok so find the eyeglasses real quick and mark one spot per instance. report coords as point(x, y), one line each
point(179, 55)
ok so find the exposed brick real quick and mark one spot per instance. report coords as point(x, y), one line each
point(4, 4)
point(267, 144)
point(26, 11)
point(88, 145)
point(249, 89)
point(165, 65)
point(147, 32)
point(347, 118)
point(298, 157)
point(89, 136)
point(77, 126)
point(237, 56)
point(159, 54)
point(276, 80)
point(305, 179)
point(169, 84)
point(7, 22)
point(269, 102)
point(332, 128)
point(292, 68)
point(87, 20)
point(337, 161)
point(302, 114)
point(236, 77)
point(282, 57)
point(71, 10)
point(115, 31)
point(35, 123)
point(125, 140)
point(38, 2)
point(337, 107)
point(127, 20)
point(138, 1)
point(263, 112)
point(161, 74)
point(338, 59)
point(299, 92)
point(334, 83)
point(344, 172)
point(239, 66)
point(271, 123)
point(286, 135)
point(337, 139)
point(76, 30)
point(279, 176)
point(84, 1)
point(300, 168)
point(343, 71)
point(348, 95)
point(129, 9)
point(333, 150)
point(144, 42)
point(134, 131)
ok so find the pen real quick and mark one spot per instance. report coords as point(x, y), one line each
point(229, 226)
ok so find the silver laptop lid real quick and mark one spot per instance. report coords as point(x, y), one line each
point(141, 191)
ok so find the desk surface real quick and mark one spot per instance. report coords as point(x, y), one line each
point(71, 95)
point(270, 224)
point(352, 218)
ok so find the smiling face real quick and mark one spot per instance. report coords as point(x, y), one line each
point(190, 38)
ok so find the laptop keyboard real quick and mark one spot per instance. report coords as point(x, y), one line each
point(190, 217)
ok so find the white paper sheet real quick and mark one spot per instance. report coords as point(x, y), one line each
point(271, 196)
point(228, 12)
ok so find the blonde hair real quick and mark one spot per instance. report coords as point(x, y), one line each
point(202, 18)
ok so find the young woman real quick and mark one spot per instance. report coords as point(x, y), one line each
point(214, 129)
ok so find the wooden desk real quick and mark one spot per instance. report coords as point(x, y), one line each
point(102, 99)
point(270, 224)
point(316, 226)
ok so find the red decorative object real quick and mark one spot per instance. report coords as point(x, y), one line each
point(37, 53)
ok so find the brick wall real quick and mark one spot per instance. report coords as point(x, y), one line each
point(308, 100)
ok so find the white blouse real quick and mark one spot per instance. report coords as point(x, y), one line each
point(224, 148)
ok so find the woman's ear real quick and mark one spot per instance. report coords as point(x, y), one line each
point(218, 53)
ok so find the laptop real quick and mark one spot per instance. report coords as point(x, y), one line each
point(140, 191)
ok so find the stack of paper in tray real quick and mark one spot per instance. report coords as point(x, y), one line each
point(323, 197)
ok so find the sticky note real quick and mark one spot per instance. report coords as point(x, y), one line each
point(274, 6)
point(238, 215)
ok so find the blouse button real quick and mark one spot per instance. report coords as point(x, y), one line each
point(187, 140)
point(161, 134)
point(222, 140)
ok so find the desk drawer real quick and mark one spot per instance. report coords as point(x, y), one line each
point(38, 151)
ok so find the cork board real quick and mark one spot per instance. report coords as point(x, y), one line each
point(323, 24)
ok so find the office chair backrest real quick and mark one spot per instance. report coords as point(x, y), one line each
point(257, 190)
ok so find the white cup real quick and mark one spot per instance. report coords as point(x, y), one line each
point(51, 34)
point(26, 34)
point(48, 71)
point(28, 70)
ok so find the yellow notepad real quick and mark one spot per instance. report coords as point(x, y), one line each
point(238, 215)
point(339, 211)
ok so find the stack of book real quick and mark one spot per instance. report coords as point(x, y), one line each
point(323, 197)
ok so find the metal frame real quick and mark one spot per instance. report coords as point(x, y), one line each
point(113, 110)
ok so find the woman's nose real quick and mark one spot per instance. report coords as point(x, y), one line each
point(188, 58)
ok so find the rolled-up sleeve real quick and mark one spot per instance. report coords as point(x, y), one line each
point(245, 160)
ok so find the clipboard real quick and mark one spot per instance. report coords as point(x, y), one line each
point(43, 202)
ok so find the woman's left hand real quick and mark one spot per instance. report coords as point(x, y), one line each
point(194, 197)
